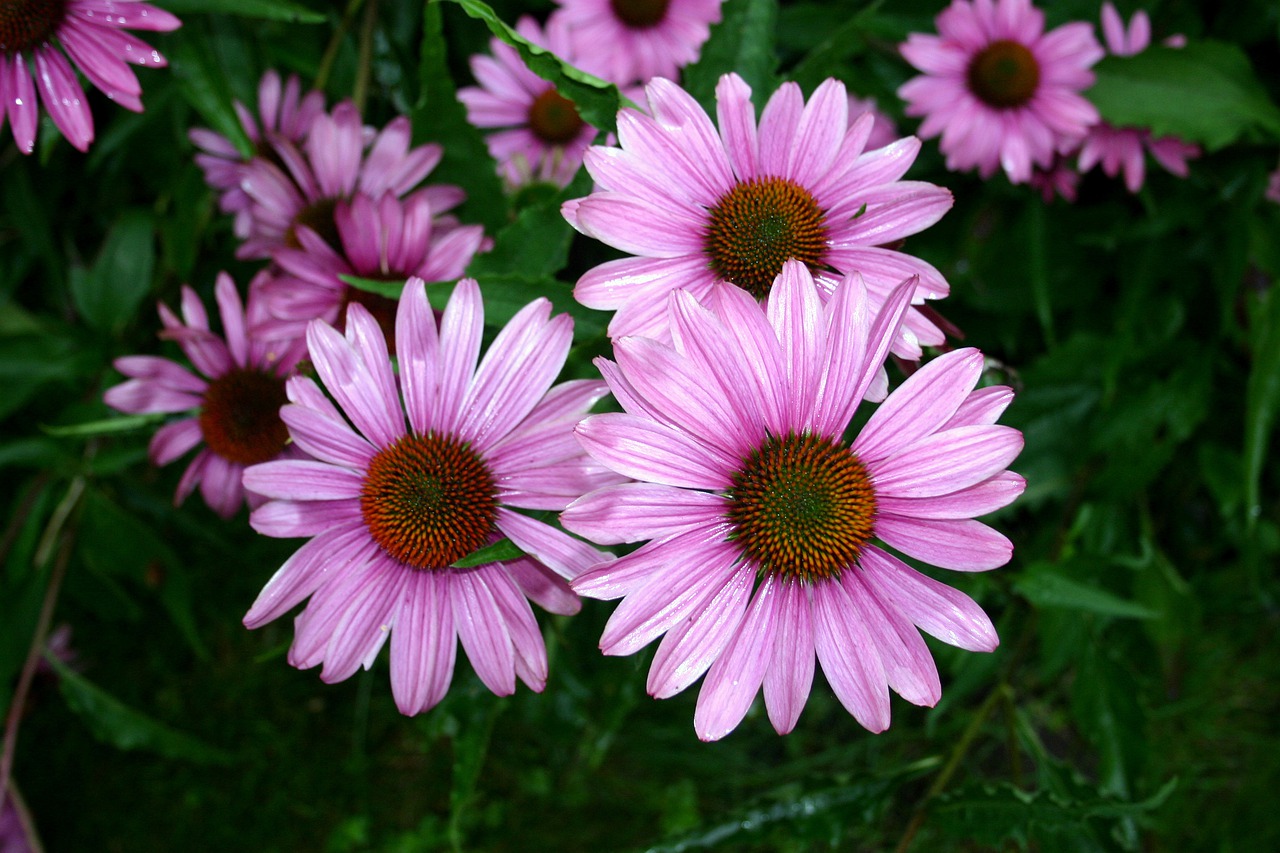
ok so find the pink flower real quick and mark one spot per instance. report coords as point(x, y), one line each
point(1273, 187)
point(541, 136)
point(390, 508)
point(235, 402)
point(633, 41)
point(91, 34)
point(1121, 148)
point(283, 113)
point(701, 207)
point(336, 161)
point(759, 519)
point(1001, 92)
point(1058, 179)
point(883, 131)
point(388, 239)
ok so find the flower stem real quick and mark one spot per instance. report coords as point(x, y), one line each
point(364, 67)
point(335, 42)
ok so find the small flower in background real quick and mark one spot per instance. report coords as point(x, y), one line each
point(14, 835)
point(283, 112)
point(391, 509)
point(1121, 148)
point(91, 34)
point(387, 239)
point(337, 160)
point(1002, 92)
point(539, 135)
point(1060, 178)
point(236, 401)
point(701, 207)
point(759, 519)
point(1273, 187)
point(633, 41)
point(883, 131)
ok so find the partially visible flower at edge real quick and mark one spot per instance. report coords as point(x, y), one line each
point(883, 131)
point(1001, 92)
point(1121, 148)
point(700, 205)
point(632, 41)
point(283, 112)
point(1272, 192)
point(390, 509)
point(759, 521)
point(235, 401)
point(91, 34)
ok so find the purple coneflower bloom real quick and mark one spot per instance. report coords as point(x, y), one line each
point(1002, 92)
point(883, 131)
point(386, 239)
point(539, 135)
point(284, 112)
point(761, 521)
point(702, 207)
point(91, 34)
point(235, 401)
point(1121, 148)
point(391, 508)
point(336, 161)
point(633, 41)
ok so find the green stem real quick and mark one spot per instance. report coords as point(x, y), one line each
point(364, 68)
point(335, 42)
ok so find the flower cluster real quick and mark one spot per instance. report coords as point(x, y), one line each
point(1004, 94)
point(441, 492)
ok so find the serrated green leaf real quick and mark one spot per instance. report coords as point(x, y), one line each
point(1044, 587)
point(440, 117)
point(108, 295)
point(503, 549)
point(115, 723)
point(271, 10)
point(598, 101)
point(742, 42)
point(1206, 93)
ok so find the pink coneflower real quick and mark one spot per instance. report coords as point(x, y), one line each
point(391, 508)
point(633, 41)
point(702, 208)
point(1121, 148)
point(541, 135)
point(335, 162)
point(1001, 91)
point(386, 239)
point(883, 131)
point(235, 402)
point(761, 520)
point(284, 112)
point(1060, 178)
point(91, 34)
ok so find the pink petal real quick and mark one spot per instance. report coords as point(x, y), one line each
point(483, 630)
point(634, 512)
point(934, 607)
point(946, 462)
point(423, 643)
point(920, 405)
point(693, 644)
point(789, 675)
point(849, 657)
point(960, 544)
point(303, 480)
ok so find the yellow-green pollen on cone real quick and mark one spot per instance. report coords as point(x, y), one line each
point(25, 24)
point(429, 500)
point(240, 415)
point(1004, 74)
point(758, 226)
point(640, 14)
point(802, 508)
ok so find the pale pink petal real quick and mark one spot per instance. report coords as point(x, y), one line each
point(849, 657)
point(937, 609)
point(424, 644)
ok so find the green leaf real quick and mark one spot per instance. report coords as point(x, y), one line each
point(1205, 92)
point(536, 243)
point(741, 42)
point(107, 426)
point(107, 296)
point(1044, 587)
point(272, 10)
point(597, 101)
point(503, 549)
point(204, 84)
point(389, 289)
point(824, 58)
point(440, 117)
point(1262, 398)
point(115, 723)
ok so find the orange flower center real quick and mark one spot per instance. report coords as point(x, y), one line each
point(429, 500)
point(25, 24)
point(240, 419)
point(554, 119)
point(758, 226)
point(802, 508)
point(1004, 75)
